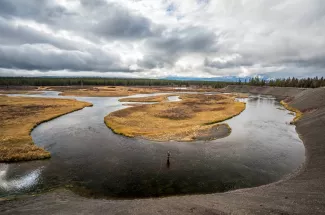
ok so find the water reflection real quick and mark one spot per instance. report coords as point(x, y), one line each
point(174, 98)
point(18, 183)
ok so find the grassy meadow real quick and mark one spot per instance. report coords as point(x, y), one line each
point(19, 115)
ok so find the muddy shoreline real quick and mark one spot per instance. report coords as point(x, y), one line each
point(302, 193)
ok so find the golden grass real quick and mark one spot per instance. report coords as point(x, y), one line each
point(19, 115)
point(111, 91)
point(117, 91)
point(179, 121)
point(298, 112)
point(134, 104)
point(160, 98)
point(102, 91)
point(19, 92)
point(240, 95)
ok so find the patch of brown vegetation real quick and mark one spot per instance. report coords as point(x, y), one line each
point(125, 112)
point(178, 121)
point(117, 91)
point(175, 113)
point(19, 115)
point(160, 98)
point(240, 95)
point(134, 104)
point(19, 92)
point(108, 91)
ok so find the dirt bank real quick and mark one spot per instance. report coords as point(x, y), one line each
point(279, 92)
point(303, 193)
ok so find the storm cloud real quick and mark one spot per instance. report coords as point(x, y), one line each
point(163, 38)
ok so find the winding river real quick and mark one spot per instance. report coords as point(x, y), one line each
point(91, 160)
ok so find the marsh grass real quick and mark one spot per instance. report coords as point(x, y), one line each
point(19, 116)
point(26, 92)
point(117, 91)
point(298, 114)
point(174, 120)
point(108, 91)
point(160, 98)
point(175, 113)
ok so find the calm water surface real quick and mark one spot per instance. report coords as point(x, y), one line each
point(91, 160)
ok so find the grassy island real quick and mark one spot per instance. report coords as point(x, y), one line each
point(19, 115)
point(192, 118)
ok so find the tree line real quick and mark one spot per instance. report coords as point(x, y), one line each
point(288, 82)
point(256, 81)
point(42, 81)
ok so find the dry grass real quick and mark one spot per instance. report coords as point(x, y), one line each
point(240, 95)
point(19, 115)
point(101, 91)
point(175, 113)
point(298, 112)
point(178, 121)
point(19, 92)
point(108, 91)
point(160, 98)
point(116, 91)
point(134, 104)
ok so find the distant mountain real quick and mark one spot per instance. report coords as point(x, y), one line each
point(221, 79)
point(226, 79)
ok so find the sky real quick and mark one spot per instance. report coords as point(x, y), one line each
point(162, 38)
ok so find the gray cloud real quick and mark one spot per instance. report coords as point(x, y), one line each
point(122, 24)
point(18, 35)
point(165, 50)
point(191, 39)
point(45, 11)
point(225, 64)
point(217, 38)
point(46, 58)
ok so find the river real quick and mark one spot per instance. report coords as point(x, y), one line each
point(91, 160)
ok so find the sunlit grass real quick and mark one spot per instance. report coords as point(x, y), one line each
point(19, 115)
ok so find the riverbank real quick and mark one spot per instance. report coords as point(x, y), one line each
point(16, 143)
point(195, 117)
point(302, 193)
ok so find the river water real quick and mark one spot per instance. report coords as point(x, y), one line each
point(91, 160)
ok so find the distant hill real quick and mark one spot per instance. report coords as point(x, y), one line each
point(223, 79)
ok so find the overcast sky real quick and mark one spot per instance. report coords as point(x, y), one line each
point(162, 38)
